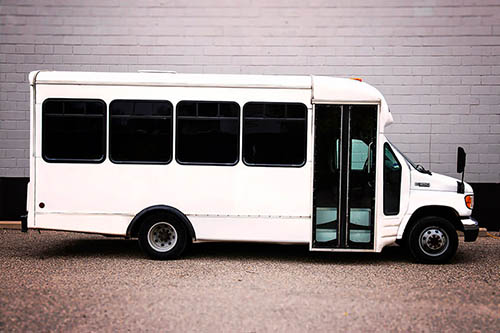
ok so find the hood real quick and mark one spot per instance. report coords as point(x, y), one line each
point(435, 182)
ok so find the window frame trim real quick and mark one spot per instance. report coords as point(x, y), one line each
point(144, 117)
point(280, 165)
point(75, 160)
point(238, 148)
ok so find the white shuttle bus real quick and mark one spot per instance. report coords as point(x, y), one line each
point(175, 158)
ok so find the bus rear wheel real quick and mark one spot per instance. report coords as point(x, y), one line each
point(433, 240)
point(163, 237)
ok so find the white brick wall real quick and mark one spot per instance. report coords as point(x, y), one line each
point(437, 61)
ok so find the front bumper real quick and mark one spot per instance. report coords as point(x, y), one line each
point(471, 229)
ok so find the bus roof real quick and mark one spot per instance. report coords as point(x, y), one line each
point(174, 79)
point(323, 89)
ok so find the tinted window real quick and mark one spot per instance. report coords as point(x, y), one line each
point(73, 130)
point(207, 132)
point(392, 182)
point(140, 131)
point(274, 134)
point(359, 154)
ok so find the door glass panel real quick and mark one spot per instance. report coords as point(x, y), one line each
point(361, 183)
point(359, 154)
point(326, 175)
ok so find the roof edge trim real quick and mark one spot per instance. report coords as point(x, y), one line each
point(346, 101)
point(158, 84)
point(32, 77)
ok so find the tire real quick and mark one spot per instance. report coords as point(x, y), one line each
point(163, 237)
point(432, 240)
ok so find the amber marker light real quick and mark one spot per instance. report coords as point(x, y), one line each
point(357, 79)
point(469, 201)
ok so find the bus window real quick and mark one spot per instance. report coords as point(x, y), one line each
point(207, 132)
point(274, 134)
point(392, 182)
point(140, 131)
point(74, 130)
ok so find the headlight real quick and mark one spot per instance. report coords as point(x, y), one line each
point(469, 201)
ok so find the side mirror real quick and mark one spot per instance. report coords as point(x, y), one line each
point(460, 160)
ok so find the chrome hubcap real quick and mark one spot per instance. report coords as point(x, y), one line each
point(433, 241)
point(162, 236)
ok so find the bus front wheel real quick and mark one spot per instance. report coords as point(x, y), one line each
point(163, 237)
point(433, 239)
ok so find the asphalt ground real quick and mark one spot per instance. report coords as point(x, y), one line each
point(57, 281)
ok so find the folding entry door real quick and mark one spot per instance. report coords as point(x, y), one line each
point(344, 176)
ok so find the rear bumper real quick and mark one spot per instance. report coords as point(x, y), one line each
point(24, 222)
point(471, 229)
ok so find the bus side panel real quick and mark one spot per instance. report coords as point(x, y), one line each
point(94, 223)
point(194, 190)
point(285, 230)
point(81, 197)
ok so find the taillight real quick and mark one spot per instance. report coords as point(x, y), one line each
point(469, 201)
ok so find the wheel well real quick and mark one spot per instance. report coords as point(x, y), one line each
point(135, 224)
point(442, 211)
